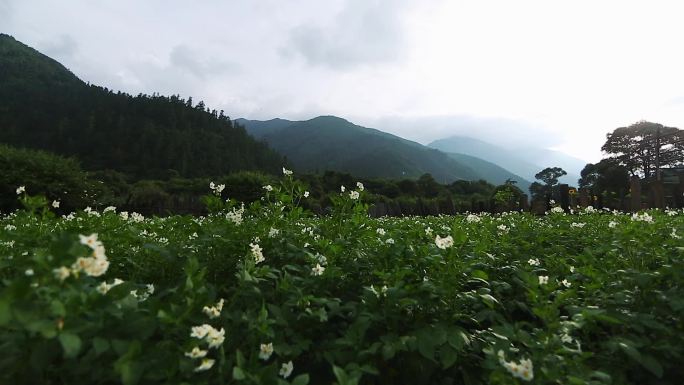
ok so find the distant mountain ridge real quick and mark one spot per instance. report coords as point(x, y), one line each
point(523, 162)
point(332, 143)
point(44, 106)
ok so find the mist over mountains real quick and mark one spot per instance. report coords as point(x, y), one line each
point(525, 162)
point(45, 106)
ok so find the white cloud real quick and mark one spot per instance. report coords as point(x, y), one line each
point(556, 74)
point(364, 32)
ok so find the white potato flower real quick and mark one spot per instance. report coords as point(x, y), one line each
point(257, 253)
point(265, 351)
point(206, 364)
point(444, 243)
point(317, 270)
point(286, 369)
point(196, 353)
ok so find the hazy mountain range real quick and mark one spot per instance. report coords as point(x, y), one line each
point(43, 105)
point(329, 142)
point(525, 162)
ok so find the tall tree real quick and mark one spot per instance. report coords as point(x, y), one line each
point(550, 177)
point(604, 176)
point(645, 146)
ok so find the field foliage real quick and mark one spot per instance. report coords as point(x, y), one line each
point(271, 294)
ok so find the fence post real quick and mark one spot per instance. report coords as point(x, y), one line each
point(584, 197)
point(564, 196)
point(635, 191)
point(679, 191)
point(657, 194)
point(524, 204)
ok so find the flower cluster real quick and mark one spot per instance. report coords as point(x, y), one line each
point(214, 311)
point(444, 243)
point(61, 273)
point(257, 253)
point(149, 290)
point(381, 293)
point(217, 188)
point(642, 217)
point(97, 263)
point(472, 218)
point(522, 369)
point(235, 215)
point(104, 287)
point(213, 337)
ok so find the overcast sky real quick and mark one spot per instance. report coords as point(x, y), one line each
point(550, 73)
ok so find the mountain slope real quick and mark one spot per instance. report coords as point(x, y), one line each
point(491, 172)
point(552, 158)
point(525, 163)
point(261, 128)
point(332, 143)
point(44, 106)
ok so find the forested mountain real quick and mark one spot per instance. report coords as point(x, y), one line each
point(524, 162)
point(332, 143)
point(491, 172)
point(44, 106)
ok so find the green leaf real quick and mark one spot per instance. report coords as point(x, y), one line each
point(630, 351)
point(302, 379)
point(480, 274)
point(343, 378)
point(46, 328)
point(388, 351)
point(100, 345)
point(652, 365)
point(131, 371)
point(457, 339)
point(5, 314)
point(427, 341)
point(239, 358)
point(489, 300)
point(238, 374)
point(71, 343)
point(602, 376)
point(58, 308)
point(447, 356)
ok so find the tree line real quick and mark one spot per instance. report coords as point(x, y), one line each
point(642, 149)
